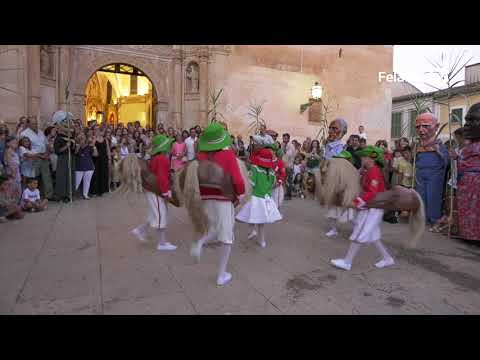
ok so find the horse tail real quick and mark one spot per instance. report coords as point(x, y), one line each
point(417, 223)
point(191, 198)
point(130, 175)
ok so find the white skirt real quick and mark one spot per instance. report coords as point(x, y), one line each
point(277, 195)
point(221, 219)
point(342, 215)
point(367, 226)
point(157, 211)
point(259, 211)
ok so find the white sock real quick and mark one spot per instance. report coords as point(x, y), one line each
point(352, 252)
point(387, 259)
point(253, 231)
point(162, 236)
point(223, 275)
point(261, 237)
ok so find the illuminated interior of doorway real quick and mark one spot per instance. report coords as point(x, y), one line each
point(119, 93)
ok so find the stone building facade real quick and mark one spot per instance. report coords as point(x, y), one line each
point(33, 80)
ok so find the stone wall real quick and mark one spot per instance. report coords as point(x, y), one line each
point(283, 75)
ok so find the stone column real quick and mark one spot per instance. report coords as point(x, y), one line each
point(32, 72)
point(203, 64)
point(64, 76)
point(77, 106)
point(161, 112)
point(178, 87)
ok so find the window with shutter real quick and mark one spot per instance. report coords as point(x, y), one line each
point(396, 130)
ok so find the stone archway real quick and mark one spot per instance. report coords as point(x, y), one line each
point(88, 61)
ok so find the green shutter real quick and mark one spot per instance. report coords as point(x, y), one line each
point(457, 116)
point(413, 117)
point(396, 130)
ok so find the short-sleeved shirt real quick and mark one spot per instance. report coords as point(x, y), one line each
point(190, 148)
point(29, 195)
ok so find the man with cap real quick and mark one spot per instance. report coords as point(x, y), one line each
point(214, 145)
point(159, 164)
point(432, 160)
point(367, 222)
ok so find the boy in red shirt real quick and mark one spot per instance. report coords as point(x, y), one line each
point(214, 145)
point(367, 222)
point(159, 164)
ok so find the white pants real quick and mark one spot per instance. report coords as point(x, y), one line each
point(87, 177)
point(367, 226)
point(157, 211)
point(221, 218)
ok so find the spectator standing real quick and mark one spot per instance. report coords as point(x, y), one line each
point(12, 166)
point(39, 148)
point(84, 166)
point(191, 144)
point(352, 148)
point(27, 159)
point(100, 180)
point(468, 194)
point(179, 153)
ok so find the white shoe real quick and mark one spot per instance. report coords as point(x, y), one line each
point(166, 247)
point(384, 263)
point(332, 232)
point(252, 235)
point(340, 263)
point(224, 278)
point(139, 235)
point(196, 250)
point(262, 244)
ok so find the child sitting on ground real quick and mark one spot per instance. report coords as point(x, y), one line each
point(31, 200)
point(8, 206)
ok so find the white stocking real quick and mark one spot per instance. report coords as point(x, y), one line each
point(162, 236)
point(87, 178)
point(382, 250)
point(352, 252)
point(223, 276)
point(261, 235)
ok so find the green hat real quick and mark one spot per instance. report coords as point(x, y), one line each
point(161, 143)
point(373, 152)
point(214, 138)
point(345, 155)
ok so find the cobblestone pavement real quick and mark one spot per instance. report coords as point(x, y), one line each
point(81, 259)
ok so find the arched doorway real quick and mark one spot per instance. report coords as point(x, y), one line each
point(120, 93)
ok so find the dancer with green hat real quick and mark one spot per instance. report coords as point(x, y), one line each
point(159, 165)
point(368, 220)
point(214, 146)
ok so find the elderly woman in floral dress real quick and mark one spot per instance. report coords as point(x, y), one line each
point(468, 180)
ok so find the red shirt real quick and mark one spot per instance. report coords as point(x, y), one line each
point(372, 183)
point(280, 172)
point(160, 166)
point(228, 162)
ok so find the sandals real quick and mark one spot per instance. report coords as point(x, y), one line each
point(438, 228)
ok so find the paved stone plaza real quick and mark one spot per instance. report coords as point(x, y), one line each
point(81, 259)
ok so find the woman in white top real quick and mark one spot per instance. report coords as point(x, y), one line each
point(124, 147)
point(27, 158)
